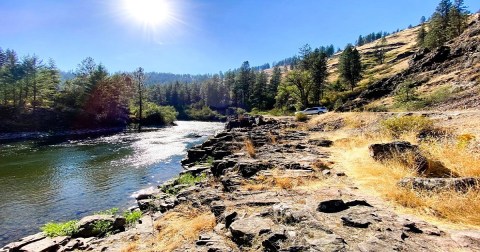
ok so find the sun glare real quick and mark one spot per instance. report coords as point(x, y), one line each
point(149, 12)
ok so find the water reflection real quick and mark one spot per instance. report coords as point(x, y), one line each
point(41, 183)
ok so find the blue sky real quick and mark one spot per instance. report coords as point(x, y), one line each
point(199, 36)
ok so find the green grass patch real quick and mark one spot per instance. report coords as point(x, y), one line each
point(184, 179)
point(53, 229)
point(405, 124)
point(132, 217)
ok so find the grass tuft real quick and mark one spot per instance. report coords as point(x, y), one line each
point(250, 148)
point(403, 125)
point(180, 226)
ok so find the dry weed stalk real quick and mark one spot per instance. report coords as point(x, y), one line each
point(250, 148)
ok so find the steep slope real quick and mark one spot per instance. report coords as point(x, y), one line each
point(454, 67)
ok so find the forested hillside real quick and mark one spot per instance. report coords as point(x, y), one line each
point(380, 71)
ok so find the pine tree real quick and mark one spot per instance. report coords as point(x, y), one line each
point(422, 33)
point(458, 16)
point(350, 66)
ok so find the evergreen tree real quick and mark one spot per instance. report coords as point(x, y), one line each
point(422, 33)
point(350, 65)
point(272, 89)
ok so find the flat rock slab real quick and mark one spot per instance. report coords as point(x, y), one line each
point(440, 184)
point(245, 230)
point(47, 244)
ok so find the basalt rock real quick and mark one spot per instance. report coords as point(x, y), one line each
point(87, 225)
point(245, 230)
point(401, 150)
point(440, 184)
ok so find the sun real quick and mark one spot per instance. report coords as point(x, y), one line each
point(151, 13)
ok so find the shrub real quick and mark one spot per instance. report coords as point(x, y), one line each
point(68, 228)
point(154, 114)
point(301, 117)
point(132, 217)
point(401, 125)
point(102, 227)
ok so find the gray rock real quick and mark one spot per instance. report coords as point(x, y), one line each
point(87, 225)
point(244, 231)
point(381, 152)
point(24, 241)
point(467, 239)
point(439, 184)
point(47, 244)
point(356, 221)
point(331, 242)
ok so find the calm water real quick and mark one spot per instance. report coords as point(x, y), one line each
point(41, 183)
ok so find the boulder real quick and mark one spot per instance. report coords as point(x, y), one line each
point(440, 184)
point(47, 244)
point(399, 149)
point(87, 225)
point(244, 231)
point(331, 242)
point(15, 246)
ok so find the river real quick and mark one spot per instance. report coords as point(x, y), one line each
point(42, 182)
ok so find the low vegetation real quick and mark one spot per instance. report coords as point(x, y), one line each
point(111, 211)
point(53, 229)
point(132, 217)
point(184, 179)
point(181, 226)
point(301, 117)
point(453, 153)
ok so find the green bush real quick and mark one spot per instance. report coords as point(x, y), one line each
point(154, 114)
point(53, 229)
point(400, 125)
point(102, 227)
point(132, 217)
point(301, 117)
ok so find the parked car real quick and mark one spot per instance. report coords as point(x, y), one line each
point(313, 111)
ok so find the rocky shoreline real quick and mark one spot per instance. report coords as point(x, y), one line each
point(269, 188)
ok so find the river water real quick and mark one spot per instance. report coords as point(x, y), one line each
point(42, 182)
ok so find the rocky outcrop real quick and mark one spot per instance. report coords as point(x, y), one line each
point(277, 201)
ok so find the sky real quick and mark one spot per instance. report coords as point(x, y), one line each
point(194, 36)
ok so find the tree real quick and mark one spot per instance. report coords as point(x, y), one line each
point(272, 88)
point(139, 80)
point(458, 16)
point(423, 20)
point(380, 50)
point(301, 83)
point(319, 73)
point(258, 97)
point(350, 66)
point(243, 83)
point(422, 33)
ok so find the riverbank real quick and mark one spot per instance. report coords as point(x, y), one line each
point(271, 185)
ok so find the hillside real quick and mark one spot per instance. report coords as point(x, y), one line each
point(448, 75)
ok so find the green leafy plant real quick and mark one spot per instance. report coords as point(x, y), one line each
point(102, 227)
point(53, 229)
point(132, 217)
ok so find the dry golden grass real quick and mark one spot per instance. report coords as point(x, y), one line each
point(250, 148)
point(131, 247)
point(181, 226)
point(456, 154)
point(272, 137)
point(278, 180)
